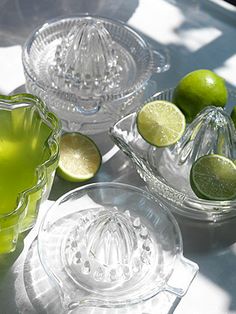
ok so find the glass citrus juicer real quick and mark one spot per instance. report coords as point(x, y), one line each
point(112, 245)
point(89, 70)
point(166, 171)
point(29, 150)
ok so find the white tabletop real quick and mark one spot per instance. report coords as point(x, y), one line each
point(197, 34)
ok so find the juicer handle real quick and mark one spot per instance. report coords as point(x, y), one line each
point(182, 276)
point(161, 60)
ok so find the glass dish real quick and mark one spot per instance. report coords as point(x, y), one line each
point(189, 210)
point(89, 70)
point(112, 245)
point(29, 153)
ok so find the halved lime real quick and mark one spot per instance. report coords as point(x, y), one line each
point(160, 123)
point(213, 177)
point(80, 158)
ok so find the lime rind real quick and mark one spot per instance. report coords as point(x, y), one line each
point(199, 89)
point(213, 177)
point(160, 123)
point(80, 158)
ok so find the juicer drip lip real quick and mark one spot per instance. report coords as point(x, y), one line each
point(67, 227)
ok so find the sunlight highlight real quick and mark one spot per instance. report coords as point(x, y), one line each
point(205, 287)
point(194, 39)
point(156, 26)
point(227, 69)
point(11, 73)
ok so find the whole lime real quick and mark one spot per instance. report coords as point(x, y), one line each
point(197, 90)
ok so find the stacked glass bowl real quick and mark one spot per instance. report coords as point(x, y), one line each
point(89, 70)
point(105, 245)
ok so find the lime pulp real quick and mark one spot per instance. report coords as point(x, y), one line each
point(213, 177)
point(80, 158)
point(160, 123)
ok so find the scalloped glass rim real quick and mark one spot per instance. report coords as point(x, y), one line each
point(15, 101)
point(70, 20)
point(182, 204)
point(98, 299)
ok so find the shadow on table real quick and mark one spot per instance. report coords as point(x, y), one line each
point(8, 277)
point(219, 265)
point(7, 260)
point(220, 269)
point(44, 295)
point(198, 15)
point(19, 18)
point(116, 166)
point(212, 247)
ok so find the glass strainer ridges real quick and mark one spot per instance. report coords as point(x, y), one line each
point(212, 132)
point(86, 61)
point(109, 247)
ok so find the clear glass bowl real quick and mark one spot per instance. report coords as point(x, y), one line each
point(204, 224)
point(153, 164)
point(29, 152)
point(112, 245)
point(89, 70)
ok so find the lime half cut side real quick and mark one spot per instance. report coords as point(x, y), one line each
point(80, 158)
point(213, 177)
point(160, 123)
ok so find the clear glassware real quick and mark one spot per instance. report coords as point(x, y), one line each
point(166, 170)
point(89, 70)
point(112, 245)
point(29, 152)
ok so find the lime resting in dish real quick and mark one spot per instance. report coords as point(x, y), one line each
point(213, 177)
point(160, 123)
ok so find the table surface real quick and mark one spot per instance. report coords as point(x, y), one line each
point(197, 34)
